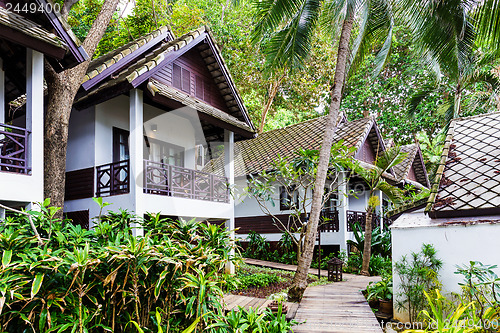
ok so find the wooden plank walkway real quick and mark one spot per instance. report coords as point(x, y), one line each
point(277, 265)
point(235, 301)
point(333, 308)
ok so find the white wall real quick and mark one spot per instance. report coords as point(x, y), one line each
point(455, 245)
point(81, 140)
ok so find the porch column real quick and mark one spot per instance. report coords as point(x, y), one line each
point(2, 93)
point(34, 117)
point(136, 148)
point(343, 201)
point(229, 172)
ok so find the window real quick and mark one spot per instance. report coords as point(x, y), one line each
point(181, 78)
point(203, 89)
point(120, 144)
point(286, 200)
point(331, 203)
point(164, 152)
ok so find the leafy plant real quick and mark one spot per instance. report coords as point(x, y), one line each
point(418, 274)
point(380, 290)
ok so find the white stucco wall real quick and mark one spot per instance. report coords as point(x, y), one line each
point(91, 144)
point(455, 245)
point(81, 140)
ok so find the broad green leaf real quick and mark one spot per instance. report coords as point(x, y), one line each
point(192, 326)
point(6, 257)
point(37, 283)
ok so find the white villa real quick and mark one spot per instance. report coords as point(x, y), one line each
point(24, 44)
point(146, 120)
point(461, 219)
point(256, 155)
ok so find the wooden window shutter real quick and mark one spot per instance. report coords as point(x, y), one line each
point(186, 80)
point(176, 77)
point(199, 87)
point(207, 91)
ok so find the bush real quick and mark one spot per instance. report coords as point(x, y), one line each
point(258, 280)
point(243, 320)
point(106, 279)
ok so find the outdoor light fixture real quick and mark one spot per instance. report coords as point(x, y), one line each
point(154, 127)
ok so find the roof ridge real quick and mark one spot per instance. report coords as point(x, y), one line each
point(476, 116)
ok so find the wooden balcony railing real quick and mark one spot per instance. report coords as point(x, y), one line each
point(360, 217)
point(14, 149)
point(113, 178)
point(329, 221)
point(176, 181)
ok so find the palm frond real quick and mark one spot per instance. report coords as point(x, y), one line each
point(270, 14)
point(417, 97)
point(394, 194)
point(289, 47)
point(389, 158)
point(487, 17)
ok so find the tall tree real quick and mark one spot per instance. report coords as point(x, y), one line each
point(291, 24)
point(374, 178)
point(62, 88)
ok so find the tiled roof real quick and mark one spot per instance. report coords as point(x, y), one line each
point(414, 158)
point(468, 177)
point(30, 28)
point(256, 155)
point(156, 87)
point(105, 61)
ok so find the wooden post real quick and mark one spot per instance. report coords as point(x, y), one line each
point(229, 172)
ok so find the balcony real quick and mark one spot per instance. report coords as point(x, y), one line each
point(113, 178)
point(180, 182)
point(360, 217)
point(14, 149)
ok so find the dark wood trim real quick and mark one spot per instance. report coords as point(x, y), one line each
point(171, 56)
point(18, 37)
point(118, 66)
point(79, 184)
point(436, 214)
point(79, 217)
point(102, 96)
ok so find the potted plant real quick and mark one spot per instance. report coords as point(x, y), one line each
point(381, 292)
point(277, 301)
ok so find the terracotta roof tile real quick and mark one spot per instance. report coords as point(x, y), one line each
point(468, 177)
point(256, 155)
point(30, 28)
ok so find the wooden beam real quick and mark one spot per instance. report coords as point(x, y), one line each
point(18, 37)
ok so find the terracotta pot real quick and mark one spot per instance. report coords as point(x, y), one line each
point(274, 306)
point(385, 306)
point(373, 303)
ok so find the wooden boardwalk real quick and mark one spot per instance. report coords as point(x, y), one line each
point(338, 307)
point(235, 301)
point(277, 265)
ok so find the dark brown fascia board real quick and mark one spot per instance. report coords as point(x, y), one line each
point(422, 164)
point(172, 104)
point(77, 51)
point(171, 56)
point(36, 44)
point(104, 95)
point(118, 66)
point(435, 214)
point(230, 82)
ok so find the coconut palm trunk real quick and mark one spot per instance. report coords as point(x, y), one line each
point(299, 282)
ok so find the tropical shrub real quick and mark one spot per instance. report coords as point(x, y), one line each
point(258, 280)
point(106, 279)
point(380, 290)
point(418, 274)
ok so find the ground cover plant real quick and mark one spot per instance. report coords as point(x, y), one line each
point(263, 282)
point(107, 280)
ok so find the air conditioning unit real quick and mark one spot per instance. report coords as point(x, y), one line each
point(199, 155)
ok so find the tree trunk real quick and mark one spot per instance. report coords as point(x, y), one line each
point(273, 91)
point(62, 88)
point(299, 282)
point(367, 250)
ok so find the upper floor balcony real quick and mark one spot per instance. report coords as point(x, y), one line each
point(14, 150)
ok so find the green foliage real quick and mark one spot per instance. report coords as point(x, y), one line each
point(379, 265)
point(418, 274)
point(381, 240)
point(380, 290)
point(257, 280)
point(106, 279)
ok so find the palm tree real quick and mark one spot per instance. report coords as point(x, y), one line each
point(450, 36)
point(374, 178)
point(290, 25)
